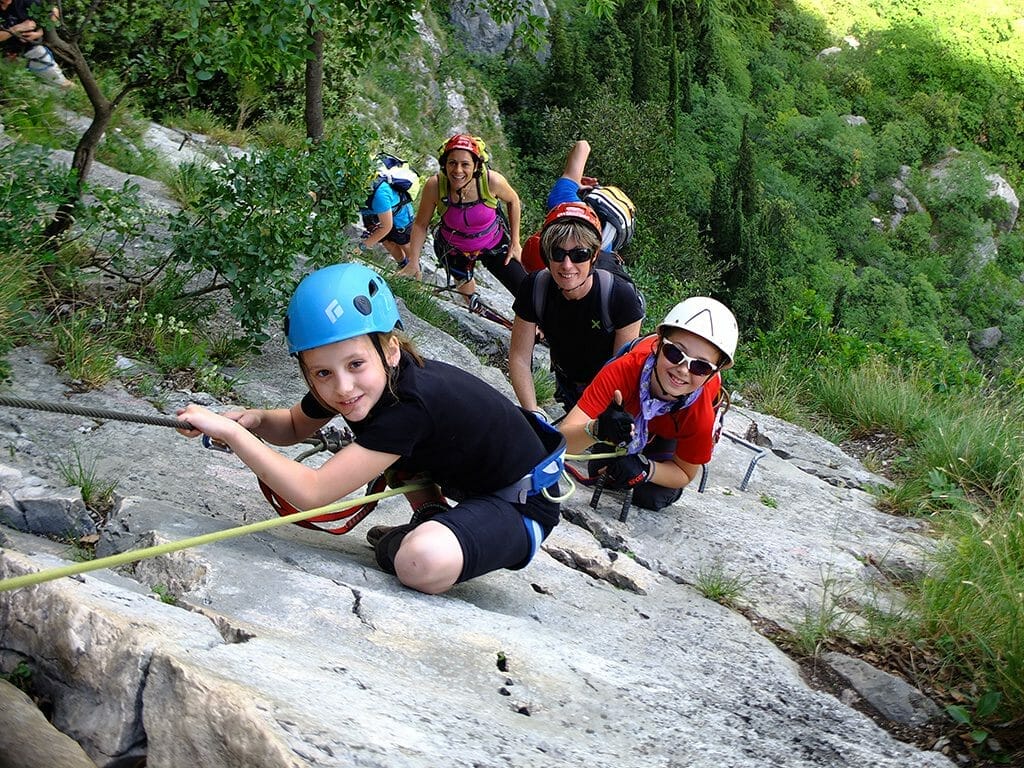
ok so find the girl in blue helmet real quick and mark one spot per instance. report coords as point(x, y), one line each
point(410, 416)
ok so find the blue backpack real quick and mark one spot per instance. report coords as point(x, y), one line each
point(399, 175)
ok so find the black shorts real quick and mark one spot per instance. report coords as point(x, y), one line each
point(397, 235)
point(495, 533)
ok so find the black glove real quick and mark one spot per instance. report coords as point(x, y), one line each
point(628, 471)
point(614, 426)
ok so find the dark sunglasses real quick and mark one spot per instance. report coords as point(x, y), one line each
point(576, 255)
point(676, 356)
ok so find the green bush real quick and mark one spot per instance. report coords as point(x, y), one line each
point(265, 218)
point(874, 306)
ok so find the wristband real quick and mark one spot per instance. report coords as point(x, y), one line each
point(588, 433)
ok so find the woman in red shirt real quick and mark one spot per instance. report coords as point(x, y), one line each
point(658, 399)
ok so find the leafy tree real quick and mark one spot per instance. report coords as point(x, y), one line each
point(256, 220)
point(874, 306)
point(157, 46)
point(674, 101)
point(724, 221)
point(650, 73)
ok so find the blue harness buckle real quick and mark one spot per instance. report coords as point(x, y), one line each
point(548, 470)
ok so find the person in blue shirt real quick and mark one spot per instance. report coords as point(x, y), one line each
point(572, 187)
point(388, 222)
point(567, 188)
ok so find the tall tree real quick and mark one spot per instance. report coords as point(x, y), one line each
point(673, 67)
point(161, 46)
point(744, 176)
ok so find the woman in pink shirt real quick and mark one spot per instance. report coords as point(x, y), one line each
point(466, 194)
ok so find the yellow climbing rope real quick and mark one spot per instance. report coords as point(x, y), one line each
point(131, 556)
point(134, 555)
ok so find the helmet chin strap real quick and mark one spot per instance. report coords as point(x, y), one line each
point(661, 386)
point(578, 285)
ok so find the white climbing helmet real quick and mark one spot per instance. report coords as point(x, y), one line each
point(709, 319)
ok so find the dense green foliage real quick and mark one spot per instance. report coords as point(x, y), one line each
point(757, 182)
point(732, 134)
point(202, 55)
point(260, 217)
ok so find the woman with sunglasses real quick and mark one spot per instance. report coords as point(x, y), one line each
point(584, 313)
point(657, 399)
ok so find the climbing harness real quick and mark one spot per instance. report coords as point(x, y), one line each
point(548, 470)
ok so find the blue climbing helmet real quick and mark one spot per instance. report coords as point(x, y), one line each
point(339, 302)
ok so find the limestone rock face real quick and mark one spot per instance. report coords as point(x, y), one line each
point(27, 740)
point(291, 648)
point(480, 32)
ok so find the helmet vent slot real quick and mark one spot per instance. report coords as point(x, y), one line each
point(363, 305)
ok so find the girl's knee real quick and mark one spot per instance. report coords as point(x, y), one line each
point(430, 559)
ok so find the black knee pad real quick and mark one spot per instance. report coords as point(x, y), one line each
point(388, 546)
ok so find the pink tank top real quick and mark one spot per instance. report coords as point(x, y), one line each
point(471, 227)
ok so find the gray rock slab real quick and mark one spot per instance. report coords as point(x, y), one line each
point(300, 651)
point(893, 697)
point(343, 666)
point(140, 459)
point(28, 740)
point(54, 512)
point(91, 646)
point(798, 544)
point(809, 452)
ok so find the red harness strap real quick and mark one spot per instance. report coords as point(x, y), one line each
point(336, 523)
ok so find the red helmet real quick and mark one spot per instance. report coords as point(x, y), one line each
point(461, 141)
point(573, 210)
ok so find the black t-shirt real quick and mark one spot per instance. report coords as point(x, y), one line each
point(468, 436)
point(17, 12)
point(573, 329)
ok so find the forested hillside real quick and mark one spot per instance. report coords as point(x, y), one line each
point(828, 169)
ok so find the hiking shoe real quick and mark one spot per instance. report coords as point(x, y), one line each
point(388, 543)
point(377, 533)
point(421, 515)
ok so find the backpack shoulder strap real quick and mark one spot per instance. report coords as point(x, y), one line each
point(627, 347)
point(720, 406)
point(483, 187)
point(540, 294)
point(373, 191)
point(442, 194)
point(605, 284)
point(605, 281)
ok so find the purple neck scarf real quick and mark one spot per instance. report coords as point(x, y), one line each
point(651, 406)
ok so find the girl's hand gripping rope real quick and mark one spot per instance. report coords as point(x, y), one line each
point(216, 429)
